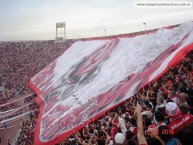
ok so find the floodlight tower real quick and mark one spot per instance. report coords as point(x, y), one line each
point(144, 25)
point(60, 31)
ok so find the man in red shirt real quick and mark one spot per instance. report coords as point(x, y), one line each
point(177, 120)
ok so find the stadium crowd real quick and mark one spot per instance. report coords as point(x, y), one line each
point(19, 61)
point(26, 135)
point(171, 91)
point(161, 113)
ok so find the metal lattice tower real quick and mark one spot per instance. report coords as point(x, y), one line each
point(60, 31)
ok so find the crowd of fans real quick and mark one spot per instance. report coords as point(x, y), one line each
point(21, 61)
point(26, 135)
point(9, 107)
point(161, 113)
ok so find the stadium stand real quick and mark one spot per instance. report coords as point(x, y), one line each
point(22, 60)
point(19, 62)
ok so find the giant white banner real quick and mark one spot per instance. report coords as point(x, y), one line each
point(92, 77)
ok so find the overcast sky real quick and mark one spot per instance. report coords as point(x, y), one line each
point(36, 19)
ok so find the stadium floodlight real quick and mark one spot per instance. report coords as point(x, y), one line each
point(60, 31)
point(144, 25)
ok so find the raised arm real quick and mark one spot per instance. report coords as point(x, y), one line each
point(106, 134)
point(140, 131)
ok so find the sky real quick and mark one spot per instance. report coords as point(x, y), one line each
point(36, 19)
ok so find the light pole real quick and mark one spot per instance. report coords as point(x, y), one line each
point(105, 32)
point(144, 25)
